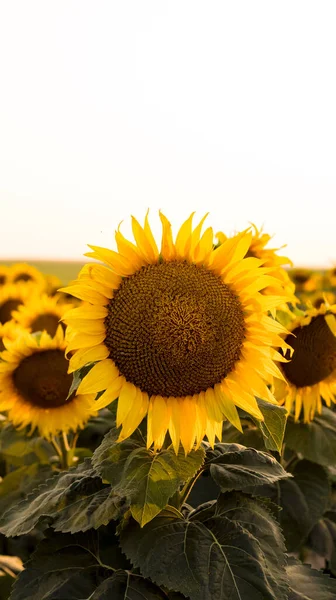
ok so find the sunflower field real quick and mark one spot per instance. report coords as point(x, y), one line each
point(168, 422)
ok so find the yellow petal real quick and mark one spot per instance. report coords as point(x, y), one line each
point(168, 251)
point(118, 263)
point(99, 378)
point(110, 394)
point(125, 402)
point(228, 406)
point(143, 242)
point(86, 355)
point(183, 238)
point(135, 416)
point(83, 292)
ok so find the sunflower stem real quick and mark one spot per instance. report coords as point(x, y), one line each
point(66, 453)
point(184, 493)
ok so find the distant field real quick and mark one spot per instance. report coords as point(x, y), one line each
point(65, 270)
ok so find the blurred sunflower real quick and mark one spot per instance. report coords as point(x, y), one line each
point(11, 296)
point(24, 273)
point(42, 313)
point(9, 330)
point(331, 277)
point(34, 385)
point(273, 262)
point(52, 284)
point(3, 275)
point(311, 372)
point(179, 334)
point(306, 280)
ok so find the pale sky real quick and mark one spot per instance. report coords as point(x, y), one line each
point(108, 108)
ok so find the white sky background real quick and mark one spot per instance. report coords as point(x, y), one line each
point(110, 107)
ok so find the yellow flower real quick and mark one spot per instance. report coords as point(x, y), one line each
point(331, 277)
point(316, 299)
point(306, 280)
point(24, 273)
point(180, 334)
point(42, 313)
point(311, 372)
point(11, 296)
point(270, 260)
point(34, 385)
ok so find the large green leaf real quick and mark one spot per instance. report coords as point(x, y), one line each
point(70, 567)
point(315, 441)
point(211, 556)
point(308, 584)
point(146, 478)
point(72, 501)
point(234, 467)
point(313, 482)
point(18, 449)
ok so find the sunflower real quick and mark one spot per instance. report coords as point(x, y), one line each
point(311, 373)
point(34, 385)
point(24, 273)
point(306, 280)
point(316, 299)
point(11, 296)
point(273, 262)
point(42, 313)
point(179, 334)
point(3, 275)
point(9, 330)
point(331, 277)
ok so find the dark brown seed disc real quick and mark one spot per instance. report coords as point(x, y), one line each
point(314, 357)
point(2, 279)
point(42, 379)
point(174, 329)
point(300, 278)
point(23, 277)
point(47, 322)
point(6, 310)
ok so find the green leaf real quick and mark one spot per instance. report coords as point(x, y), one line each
point(313, 482)
point(274, 424)
point(70, 567)
point(234, 467)
point(17, 484)
point(72, 501)
point(18, 449)
point(308, 584)
point(127, 586)
point(302, 499)
point(223, 553)
point(146, 478)
point(315, 441)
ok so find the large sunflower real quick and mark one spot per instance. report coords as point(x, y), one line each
point(34, 385)
point(179, 334)
point(11, 296)
point(271, 260)
point(42, 313)
point(311, 373)
point(24, 273)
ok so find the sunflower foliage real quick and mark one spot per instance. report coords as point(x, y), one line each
point(130, 522)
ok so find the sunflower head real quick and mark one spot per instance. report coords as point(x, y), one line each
point(179, 332)
point(41, 313)
point(311, 368)
point(306, 280)
point(23, 273)
point(11, 297)
point(35, 385)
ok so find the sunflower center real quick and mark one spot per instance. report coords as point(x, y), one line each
point(42, 379)
point(174, 329)
point(314, 357)
point(23, 277)
point(6, 310)
point(301, 278)
point(2, 279)
point(47, 322)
